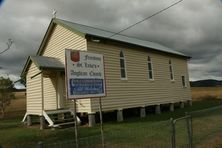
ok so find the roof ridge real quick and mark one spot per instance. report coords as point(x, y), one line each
point(120, 37)
point(133, 37)
point(106, 31)
point(87, 26)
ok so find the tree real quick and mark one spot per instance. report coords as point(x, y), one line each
point(6, 94)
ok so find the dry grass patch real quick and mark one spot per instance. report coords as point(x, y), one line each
point(203, 93)
point(20, 95)
point(17, 105)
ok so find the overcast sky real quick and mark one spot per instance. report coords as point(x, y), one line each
point(193, 27)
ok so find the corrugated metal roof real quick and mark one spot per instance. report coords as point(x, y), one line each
point(47, 62)
point(106, 34)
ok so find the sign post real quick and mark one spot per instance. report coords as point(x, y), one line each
point(85, 78)
point(75, 120)
point(101, 122)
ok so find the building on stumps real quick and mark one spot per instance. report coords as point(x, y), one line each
point(139, 74)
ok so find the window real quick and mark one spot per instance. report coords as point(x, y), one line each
point(171, 70)
point(122, 66)
point(150, 68)
point(183, 81)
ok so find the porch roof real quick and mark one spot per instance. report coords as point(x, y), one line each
point(46, 63)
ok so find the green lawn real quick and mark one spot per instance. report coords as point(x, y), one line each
point(153, 131)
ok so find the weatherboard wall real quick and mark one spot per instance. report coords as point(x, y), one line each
point(59, 40)
point(33, 91)
point(49, 91)
point(138, 90)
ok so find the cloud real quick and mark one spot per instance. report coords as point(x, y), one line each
point(192, 27)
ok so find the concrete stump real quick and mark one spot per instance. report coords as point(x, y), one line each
point(190, 102)
point(119, 115)
point(172, 107)
point(158, 109)
point(29, 120)
point(92, 119)
point(42, 122)
point(181, 104)
point(142, 112)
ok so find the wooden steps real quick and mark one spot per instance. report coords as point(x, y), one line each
point(61, 117)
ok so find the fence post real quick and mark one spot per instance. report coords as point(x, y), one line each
point(189, 129)
point(173, 136)
point(40, 144)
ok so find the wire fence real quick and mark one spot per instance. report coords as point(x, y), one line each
point(152, 135)
point(205, 125)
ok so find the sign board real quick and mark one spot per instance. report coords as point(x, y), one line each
point(85, 76)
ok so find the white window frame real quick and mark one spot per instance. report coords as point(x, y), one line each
point(149, 61)
point(171, 70)
point(124, 59)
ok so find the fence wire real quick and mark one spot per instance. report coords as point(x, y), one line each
point(156, 135)
point(205, 125)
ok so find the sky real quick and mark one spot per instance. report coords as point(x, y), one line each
point(193, 27)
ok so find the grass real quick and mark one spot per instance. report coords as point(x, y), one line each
point(153, 130)
point(199, 92)
point(17, 105)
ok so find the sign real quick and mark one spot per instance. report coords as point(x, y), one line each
point(85, 76)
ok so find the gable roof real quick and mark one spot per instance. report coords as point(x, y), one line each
point(43, 63)
point(87, 30)
point(84, 30)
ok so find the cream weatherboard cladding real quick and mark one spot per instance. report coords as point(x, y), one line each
point(61, 39)
point(137, 90)
point(34, 94)
point(49, 91)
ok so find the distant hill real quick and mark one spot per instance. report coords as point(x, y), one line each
point(206, 83)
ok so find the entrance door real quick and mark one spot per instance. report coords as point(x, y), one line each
point(60, 90)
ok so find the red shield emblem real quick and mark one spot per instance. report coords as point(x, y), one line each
point(75, 56)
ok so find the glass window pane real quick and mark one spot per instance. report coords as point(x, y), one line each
point(149, 66)
point(150, 75)
point(183, 81)
point(171, 69)
point(148, 59)
point(121, 54)
point(171, 76)
point(123, 74)
point(122, 64)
